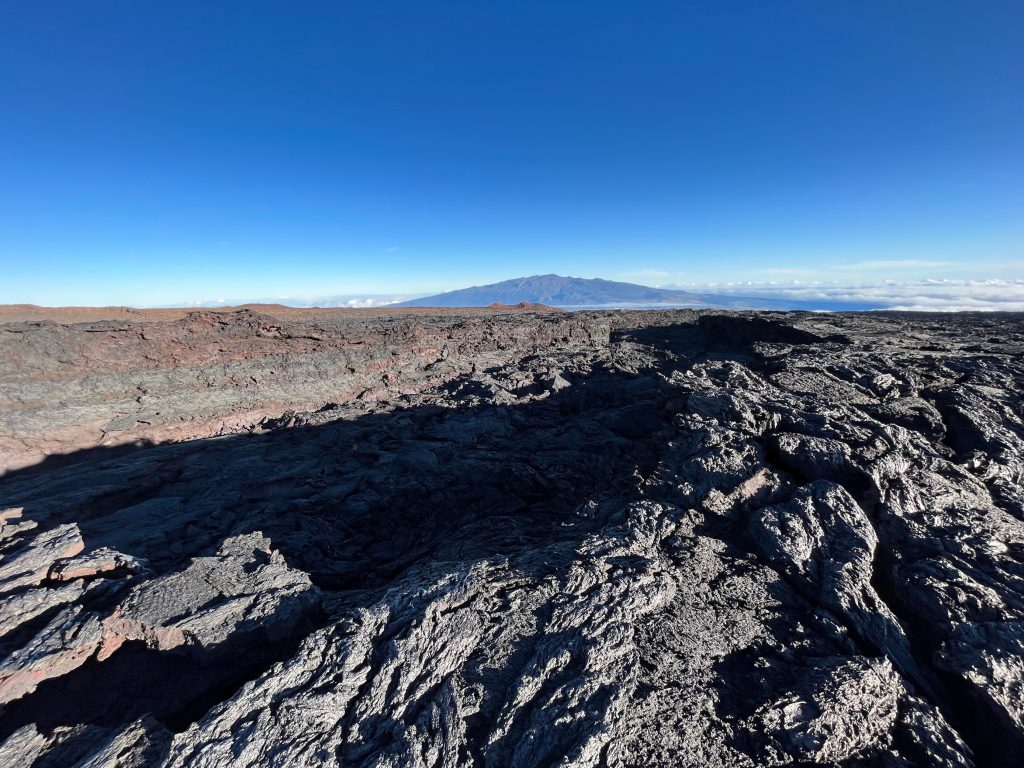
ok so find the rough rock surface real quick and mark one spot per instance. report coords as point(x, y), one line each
point(65, 387)
point(608, 539)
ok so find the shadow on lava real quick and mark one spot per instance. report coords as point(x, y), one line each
point(724, 337)
point(358, 501)
point(354, 502)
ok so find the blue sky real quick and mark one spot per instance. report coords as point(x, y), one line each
point(162, 153)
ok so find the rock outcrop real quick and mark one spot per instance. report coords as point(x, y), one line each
point(65, 387)
point(606, 539)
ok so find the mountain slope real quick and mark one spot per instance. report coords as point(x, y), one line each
point(565, 292)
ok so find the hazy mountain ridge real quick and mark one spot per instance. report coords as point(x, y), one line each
point(577, 292)
point(559, 291)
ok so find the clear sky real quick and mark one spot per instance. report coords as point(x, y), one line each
point(153, 153)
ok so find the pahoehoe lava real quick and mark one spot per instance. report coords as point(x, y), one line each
point(506, 538)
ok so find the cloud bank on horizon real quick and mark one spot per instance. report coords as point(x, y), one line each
point(344, 301)
point(926, 295)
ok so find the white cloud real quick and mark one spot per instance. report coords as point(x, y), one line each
point(897, 264)
point(783, 271)
point(654, 272)
point(358, 301)
point(638, 274)
point(921, 295)
point(370, 301)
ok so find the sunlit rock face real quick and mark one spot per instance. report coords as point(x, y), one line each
point(516, 539)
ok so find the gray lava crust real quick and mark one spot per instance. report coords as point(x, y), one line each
point(590, 539)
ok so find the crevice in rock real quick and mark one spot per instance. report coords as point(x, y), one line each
point(992, 743)
point(176, 687)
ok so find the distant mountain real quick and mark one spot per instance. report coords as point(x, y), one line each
point(559, 291)
point(580, 293)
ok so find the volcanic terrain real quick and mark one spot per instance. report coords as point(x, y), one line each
point(510, 537)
